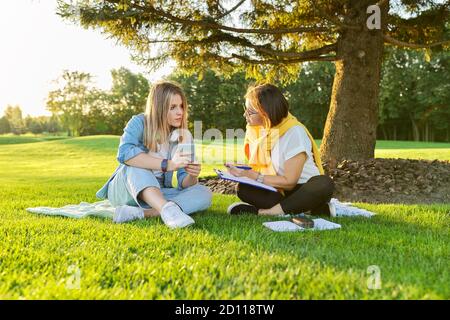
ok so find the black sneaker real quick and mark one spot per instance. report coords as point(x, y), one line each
point(327, 209)
point(242, 208)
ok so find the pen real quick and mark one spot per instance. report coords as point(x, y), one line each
point(244, 167)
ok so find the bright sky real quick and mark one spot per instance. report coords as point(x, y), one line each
point(36, 45)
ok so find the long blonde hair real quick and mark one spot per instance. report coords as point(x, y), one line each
point(156, 127)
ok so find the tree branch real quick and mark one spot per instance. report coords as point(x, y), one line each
point(224, 37)
point(434, 17)
point(231, 10)
point(215, 26)
point(166, 41)
point(285, 61)
point(301, 55)
point(266, 49)
point(335, 21)
point(399, 43)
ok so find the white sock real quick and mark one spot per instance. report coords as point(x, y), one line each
point(127, 213)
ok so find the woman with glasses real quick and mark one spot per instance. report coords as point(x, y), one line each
point(282, 154)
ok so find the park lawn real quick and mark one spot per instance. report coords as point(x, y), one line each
point(412, 150)
point(220, 257)
point(27, 138)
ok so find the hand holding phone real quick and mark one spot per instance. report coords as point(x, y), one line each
point(187, 150)
point(193, 169)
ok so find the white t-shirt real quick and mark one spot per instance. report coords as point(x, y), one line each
point(293, 142)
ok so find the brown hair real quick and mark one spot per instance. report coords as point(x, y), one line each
point(269, 101)
point(156, 128)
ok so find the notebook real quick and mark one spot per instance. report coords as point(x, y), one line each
point(285, 226)
point(227, 176)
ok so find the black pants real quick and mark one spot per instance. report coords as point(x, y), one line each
point(311, 196)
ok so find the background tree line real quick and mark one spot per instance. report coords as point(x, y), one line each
point(414, 100)
point(14, 122)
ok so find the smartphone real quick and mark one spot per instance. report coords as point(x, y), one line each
point(303, 222)
point(187, 149)
point(239, 166)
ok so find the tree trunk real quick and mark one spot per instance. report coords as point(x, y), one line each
point(415, 129)
point(350, 128)
point(383, 130)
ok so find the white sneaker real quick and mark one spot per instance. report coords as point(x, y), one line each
point(332, 208)
point(174, 217)
point(127, 213)
point(339, 209)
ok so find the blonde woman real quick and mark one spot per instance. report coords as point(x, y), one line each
point(148, 154)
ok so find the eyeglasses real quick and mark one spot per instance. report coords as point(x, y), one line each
point(249, 112)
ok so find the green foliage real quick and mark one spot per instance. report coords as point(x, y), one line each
point(127, 97)
point(42, 124)
point(14, 116)
point(310, 94)
point(71, 100)
point(4, 125)
point(415, 96)
point(420, 22)
point(218, 101)
point(215, 100)
point(189, 33)
point(98, 119)
point(203, 37)
point(86, 110)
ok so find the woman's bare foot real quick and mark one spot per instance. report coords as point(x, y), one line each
point(274, 211)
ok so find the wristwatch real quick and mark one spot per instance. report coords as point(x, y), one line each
point(260, 178)
point(164, 165)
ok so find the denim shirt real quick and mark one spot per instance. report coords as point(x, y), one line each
point(131, 144)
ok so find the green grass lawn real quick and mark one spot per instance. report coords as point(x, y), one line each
point(220, 257)
point(28, 138)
